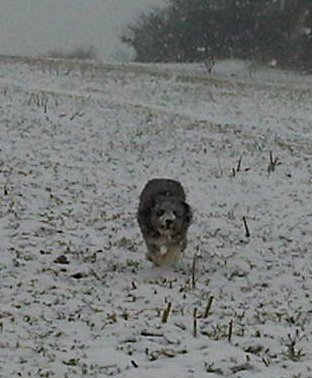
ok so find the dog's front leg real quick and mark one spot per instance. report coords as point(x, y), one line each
point(171, 256)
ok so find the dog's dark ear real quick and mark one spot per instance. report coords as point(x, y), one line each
point(188, 213)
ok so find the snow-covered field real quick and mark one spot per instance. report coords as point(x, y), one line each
point(78, 142)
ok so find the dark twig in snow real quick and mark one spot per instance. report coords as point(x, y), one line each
point(195, 322)
point(230, 334)
point(272, 163)
point(166, 312)
point(208, 307)
point(247, 232)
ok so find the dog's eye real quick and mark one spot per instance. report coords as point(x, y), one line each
point(160, 212)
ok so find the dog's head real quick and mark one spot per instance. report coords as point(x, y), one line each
point(170, 215)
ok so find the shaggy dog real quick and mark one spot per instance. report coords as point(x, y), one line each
point(164, 218)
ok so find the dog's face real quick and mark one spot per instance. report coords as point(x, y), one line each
point(170, 216)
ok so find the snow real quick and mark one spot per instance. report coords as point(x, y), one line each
point(78, 143)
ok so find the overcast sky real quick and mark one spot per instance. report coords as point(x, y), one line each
point(33, 27)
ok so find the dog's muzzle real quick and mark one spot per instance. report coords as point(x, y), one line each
point(167, 221)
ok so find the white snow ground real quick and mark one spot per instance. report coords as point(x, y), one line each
point(78, 142)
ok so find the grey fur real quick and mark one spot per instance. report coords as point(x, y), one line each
point(164, 218)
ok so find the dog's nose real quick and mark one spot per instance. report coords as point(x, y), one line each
point(168, 222)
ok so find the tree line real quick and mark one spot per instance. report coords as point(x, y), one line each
point(192, 30)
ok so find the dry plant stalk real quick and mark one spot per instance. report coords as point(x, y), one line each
point(151, 334)
point(247, 232)
point(230, 334)
point(208, 307)
point(195, 322)
point(134, 364)
point(272, 163)
point(194, 272)
point(238, 167)
point(239, 164)
point(166, 312)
